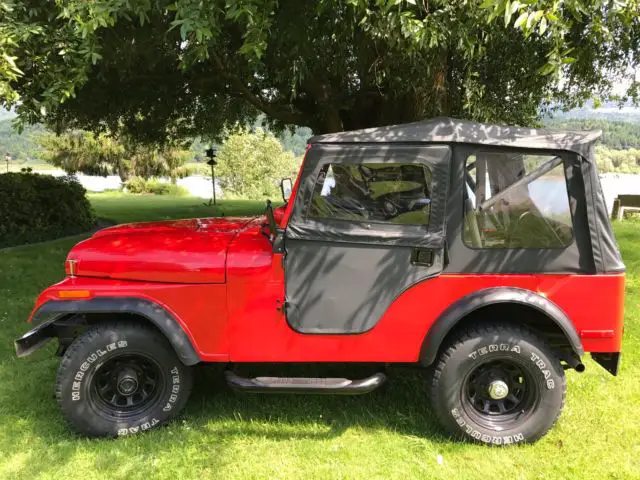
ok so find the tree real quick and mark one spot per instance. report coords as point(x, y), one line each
point(174, 68)
point(251, 165)
point(80, 151)
point(101, 154)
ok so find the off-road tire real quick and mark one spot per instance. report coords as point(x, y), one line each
point(458, 394)
point(123, 352)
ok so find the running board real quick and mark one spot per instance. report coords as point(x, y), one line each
point(342, 386)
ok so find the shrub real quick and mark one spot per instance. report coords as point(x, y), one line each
point(136, 185)
point(189, 169)
point(35, 208)
point(154, 186)
point(157, 187)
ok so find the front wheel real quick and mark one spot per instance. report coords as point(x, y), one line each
point(498, 384)
point(120, 378)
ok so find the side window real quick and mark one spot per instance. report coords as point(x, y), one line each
point(373, 192)
point(516, 200)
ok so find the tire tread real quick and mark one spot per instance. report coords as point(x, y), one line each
point(92, 333)
point(481, 329)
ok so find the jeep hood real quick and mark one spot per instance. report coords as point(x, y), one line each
point(176, 251)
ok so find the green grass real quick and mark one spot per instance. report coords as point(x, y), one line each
point(123, 208)
point(387, 434)
point(16, 166)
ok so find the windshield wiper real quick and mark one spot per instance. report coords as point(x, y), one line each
point(272, 222)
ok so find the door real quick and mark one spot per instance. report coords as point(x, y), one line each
point(367, 223)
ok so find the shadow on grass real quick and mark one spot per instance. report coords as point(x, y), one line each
point(401, 406)
point(37, 442)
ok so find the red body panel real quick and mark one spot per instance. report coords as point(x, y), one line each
point(183, 251)
point(200, 309)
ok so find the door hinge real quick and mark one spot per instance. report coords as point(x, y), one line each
point(281, 306)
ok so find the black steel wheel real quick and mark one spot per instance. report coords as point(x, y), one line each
point(121, 378)
point(497, 384)
point(126, 384)
point(498, 391)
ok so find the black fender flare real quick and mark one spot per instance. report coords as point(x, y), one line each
point(491, 296)
point(53, 310)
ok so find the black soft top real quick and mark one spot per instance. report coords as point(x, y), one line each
point(451, 130)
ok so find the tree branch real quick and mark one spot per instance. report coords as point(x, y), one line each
point(258, 101)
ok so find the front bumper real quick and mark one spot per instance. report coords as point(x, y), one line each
point(35, 338)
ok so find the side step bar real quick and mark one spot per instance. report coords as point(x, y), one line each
point(342, 386)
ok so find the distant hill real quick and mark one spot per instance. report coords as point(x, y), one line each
point(619, 135)
point(22, 146)
point(608, 111)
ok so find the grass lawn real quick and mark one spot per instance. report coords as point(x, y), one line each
point(387, 434)
point(123, 208)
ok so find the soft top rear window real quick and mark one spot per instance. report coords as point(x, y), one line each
point(516, 200)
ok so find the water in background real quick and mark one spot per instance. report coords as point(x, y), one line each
point(196, 185)
point(614, 184)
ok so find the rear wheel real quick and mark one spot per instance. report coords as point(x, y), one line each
point(498, 384)
point(121, 378)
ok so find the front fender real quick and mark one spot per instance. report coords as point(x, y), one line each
point(491, 296)
point(46, 315)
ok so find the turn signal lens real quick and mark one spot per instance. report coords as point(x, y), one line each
point(74, 293)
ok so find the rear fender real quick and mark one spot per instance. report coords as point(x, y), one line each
point(491, 296)
point(53, 311)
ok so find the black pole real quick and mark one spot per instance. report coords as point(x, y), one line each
point(211, 155)
point(213, 183)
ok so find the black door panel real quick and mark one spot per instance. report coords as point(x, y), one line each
point(339, 288)
point(345, 266)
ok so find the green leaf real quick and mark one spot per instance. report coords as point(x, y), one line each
point(507, 13)
point(543, 26)
point(567, 60)
point(547, 69)
point(521, 19)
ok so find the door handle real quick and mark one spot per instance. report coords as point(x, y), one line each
point(422, 256)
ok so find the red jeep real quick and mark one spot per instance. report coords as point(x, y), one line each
point(483, 253)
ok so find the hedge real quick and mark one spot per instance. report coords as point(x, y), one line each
point(35, 208)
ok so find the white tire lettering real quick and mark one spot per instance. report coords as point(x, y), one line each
point(138, 428)
point(503, 347)
point(538, 362)
point(91, 359)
